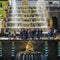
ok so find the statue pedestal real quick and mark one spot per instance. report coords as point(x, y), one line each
point(30, 56)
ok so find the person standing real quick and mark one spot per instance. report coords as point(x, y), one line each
point(32, 34)
point(41, 31)
point(9, 34)
point(49, 33)
point(29, 34)
point(14, 34)
point(21, 34)
point(26, 34)
point(54, 33)
point(38, 34)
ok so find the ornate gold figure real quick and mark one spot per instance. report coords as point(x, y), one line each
point(51, 23)
point(25, 3)
point(29, 47)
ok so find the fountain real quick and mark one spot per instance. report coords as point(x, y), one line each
point(29, 53)
point(14, 14)
point(13, 20)
point(42, 13)
point(28, 15)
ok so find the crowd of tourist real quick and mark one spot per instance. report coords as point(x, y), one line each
point(51, 32)
point(27, 34)
point(30, 34)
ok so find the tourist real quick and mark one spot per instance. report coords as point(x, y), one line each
point(54, 33)
point(29, 34)
point(14, 34)
point(49, 33)
point(9, 34)
point(38, 34)
point(21, 34)
point(26, 34)
point(32, 33)
point(41, 34)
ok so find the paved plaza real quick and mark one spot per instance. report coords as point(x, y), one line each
point(43, 38)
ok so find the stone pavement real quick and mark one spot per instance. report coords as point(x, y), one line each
point(43, 38)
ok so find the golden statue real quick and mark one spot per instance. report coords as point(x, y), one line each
point(29, 47)
point(25, 3)
point(51, 23)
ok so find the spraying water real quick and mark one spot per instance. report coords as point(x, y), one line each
point(14, 12)
point(14, 20)
point(41, 11)
point(18, 19)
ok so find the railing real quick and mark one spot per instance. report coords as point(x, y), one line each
point(9, 48)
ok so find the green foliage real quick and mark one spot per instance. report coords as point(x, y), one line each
point(3, 6)
point(2, 13)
